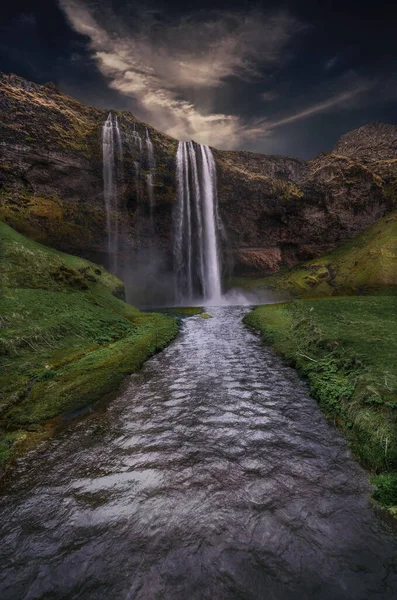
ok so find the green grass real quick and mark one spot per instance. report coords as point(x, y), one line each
point(183, 311)
point(347, 349)
point(365, 264)
point(66, 336)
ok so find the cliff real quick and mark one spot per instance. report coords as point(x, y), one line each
point(51, 171)
point(285, 211)
point(276, 210)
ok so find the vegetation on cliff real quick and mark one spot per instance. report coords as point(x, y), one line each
point(67, 338)
point(347, 349)
point(365, 264)
point(51, 175)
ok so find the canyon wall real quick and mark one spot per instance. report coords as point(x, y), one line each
point(276, 210)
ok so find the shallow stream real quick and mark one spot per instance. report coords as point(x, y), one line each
point(212, 476)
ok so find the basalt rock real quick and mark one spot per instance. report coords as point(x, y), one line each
point(293, 211)
point(51, 172)
point(276, 210)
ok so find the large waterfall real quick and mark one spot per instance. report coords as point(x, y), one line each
point(112, 157)
point(196, 226)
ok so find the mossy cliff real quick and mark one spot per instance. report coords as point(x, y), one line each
point(67, 338)
point(365, 264)
point(51, 172)
point(280, 211)
point(277, 211)
point(347, 349)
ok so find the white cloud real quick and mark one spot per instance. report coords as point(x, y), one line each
point(159, 67)
point(341, 100)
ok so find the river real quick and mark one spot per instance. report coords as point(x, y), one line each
point(213, 475)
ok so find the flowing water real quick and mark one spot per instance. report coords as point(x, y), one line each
point(112, 157)
point(196, 226)
point(150, 150)
point(212, 476)
point(149, 176)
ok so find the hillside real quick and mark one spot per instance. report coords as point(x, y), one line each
point(365, 264)
point(67, 338)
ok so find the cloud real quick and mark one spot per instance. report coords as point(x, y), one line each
point(331, 62)
point(342, 100)
point(175, 72)
point(160, 66)
point(270, 96)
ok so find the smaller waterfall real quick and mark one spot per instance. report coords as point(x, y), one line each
point(112, 151)
point(150, 191)
point(137, 139)
point(150, 150)
point(149, 176)
point(196, 226)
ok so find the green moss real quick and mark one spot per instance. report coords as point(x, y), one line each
point(347, 349)
point(66, 337)
point(186, 311)
point(52, 220)
point(205, 316)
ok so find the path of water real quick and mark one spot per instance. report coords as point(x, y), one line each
point(213, 476)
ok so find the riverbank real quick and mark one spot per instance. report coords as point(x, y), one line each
point(67, 338)
point(347, 350)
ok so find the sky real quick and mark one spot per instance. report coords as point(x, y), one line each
point(285, 77)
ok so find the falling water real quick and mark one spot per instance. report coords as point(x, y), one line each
point(137, 139)
point(150, 150)
point(196, 225)
point(150, 191)
point(112, 156)
point(149, 176)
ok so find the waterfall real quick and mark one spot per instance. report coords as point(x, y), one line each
point(150, 150)
point(196, 226)
point(150, 191)
point(112, 157)
point(149, 176)
point(137, 139)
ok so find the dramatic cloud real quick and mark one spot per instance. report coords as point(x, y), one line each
point(160, 67)
point(179, 74)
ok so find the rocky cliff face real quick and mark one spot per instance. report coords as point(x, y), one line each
point(276, 210)
point(51, 172)
point(370, 143)
point(284, 211)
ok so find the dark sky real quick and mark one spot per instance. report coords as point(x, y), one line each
point(275, 77)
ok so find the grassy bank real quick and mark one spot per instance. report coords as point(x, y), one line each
point(347, 349)
point(366, 264)
point(67, 338)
